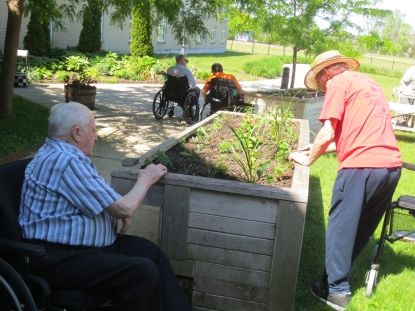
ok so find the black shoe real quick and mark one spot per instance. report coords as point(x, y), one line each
point(336, 301)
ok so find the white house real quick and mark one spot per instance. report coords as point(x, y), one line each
point(117, 39)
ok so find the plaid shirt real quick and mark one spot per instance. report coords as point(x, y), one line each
point(64, 198)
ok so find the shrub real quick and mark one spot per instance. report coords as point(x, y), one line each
point(61, 75)
point(108, 64)
point(136, 68)
point(37, 39)
point(141, 44)
point(202, 75)
point(90, 37)
point(39, 73)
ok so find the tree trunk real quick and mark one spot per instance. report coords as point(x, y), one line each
point(253, 45)
point(295, 50)
point(269, 45)
point(231, 44)
point(11, 43)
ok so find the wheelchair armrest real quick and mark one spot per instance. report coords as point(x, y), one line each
point(12, 247)
point(409, 166)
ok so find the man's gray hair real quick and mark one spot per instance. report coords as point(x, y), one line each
point(66, 115)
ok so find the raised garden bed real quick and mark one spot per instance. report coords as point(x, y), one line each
point(304, 104)
point(239, 243)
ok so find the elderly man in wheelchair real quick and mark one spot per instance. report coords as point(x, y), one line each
point(179, 90)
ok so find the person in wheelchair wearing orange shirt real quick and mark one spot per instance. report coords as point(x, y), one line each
point(217, 72)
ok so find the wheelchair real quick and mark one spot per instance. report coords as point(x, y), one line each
point(223, 95)
point(398, 224)
point(176, 91)
point(19, 288)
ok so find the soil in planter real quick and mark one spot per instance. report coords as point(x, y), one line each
point(203, 158)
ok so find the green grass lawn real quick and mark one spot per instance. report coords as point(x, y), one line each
point(24, 131)
point(232, 62)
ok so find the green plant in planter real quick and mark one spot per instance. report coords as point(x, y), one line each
point(79, 71)
point(258, 156)
point(78, 81)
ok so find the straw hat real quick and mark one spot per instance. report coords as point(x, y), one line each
point(324, 60)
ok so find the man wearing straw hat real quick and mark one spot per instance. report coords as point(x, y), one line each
point(357, 124)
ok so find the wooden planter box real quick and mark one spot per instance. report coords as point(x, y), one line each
point(240, 243)
point(84, 95)
point(302, 108)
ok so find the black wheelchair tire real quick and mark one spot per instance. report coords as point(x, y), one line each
point(192, 107)
point(160, 105)
point(205, 111)
point(12, 283)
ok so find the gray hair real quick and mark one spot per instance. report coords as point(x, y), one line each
point(66, 115)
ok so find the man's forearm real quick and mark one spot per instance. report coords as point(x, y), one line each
point(125, 206)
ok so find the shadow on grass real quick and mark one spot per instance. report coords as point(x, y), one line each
point(313, 249)
point(393, 260)
point(405, 137)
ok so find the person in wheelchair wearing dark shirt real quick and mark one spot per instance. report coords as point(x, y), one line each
point(218, 82)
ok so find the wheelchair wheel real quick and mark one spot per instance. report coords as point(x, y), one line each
point(192, 108)
point(160, 105)
point(14, 293)
point(171, 112)
point(205, 111)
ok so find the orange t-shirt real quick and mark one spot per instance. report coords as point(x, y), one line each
point(364, 135)
point(222, 75)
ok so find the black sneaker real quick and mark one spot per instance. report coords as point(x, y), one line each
point(335, 301)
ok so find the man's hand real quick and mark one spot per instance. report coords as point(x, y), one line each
point(151, 174)
point(126, 222)
point(301, 157)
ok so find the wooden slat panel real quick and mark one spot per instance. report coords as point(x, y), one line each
point(232, 205)
point(229, 257)
point(183, 267)
point(230, 241)
point(174, 221)
point(230, 289)
point(225, 303)
point(155, 195)
point(231, 274)
point(286, 258)
point(232, 225)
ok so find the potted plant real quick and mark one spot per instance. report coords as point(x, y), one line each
point(239, 242)
point(78, 81)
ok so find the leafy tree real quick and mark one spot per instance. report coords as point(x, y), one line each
point(141, 26)
point(90, 36)
point(37, 39)
point(297, 23)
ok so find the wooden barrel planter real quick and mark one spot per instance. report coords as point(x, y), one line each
point(82, 94)
point(238, 243)
point(304, 105)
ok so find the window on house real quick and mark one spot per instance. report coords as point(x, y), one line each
point(198, 38)
point(161, 31)
point(212, 36)
point(223, 39)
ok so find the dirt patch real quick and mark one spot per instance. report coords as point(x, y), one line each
point(204, 155)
